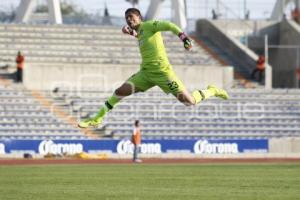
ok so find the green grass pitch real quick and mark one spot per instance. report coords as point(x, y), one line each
point(151, 181)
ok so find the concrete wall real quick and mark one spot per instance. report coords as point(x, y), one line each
point(272, 31)
point(244, 56)
point(284, 145)
point(107, 77)
point(286, 60)
point(257, 41)
point(233, 47)
point(240, 28)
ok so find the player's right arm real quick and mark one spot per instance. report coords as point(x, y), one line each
point(127, 30)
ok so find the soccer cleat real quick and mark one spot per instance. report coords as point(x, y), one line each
point(218, 92)
point(90, 123)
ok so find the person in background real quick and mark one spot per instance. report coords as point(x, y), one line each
point(296, 15)
point(298, 76)
point(214, 14)
point(20, 65)
point(136, 140)
point(247, 15)
point(260, 68)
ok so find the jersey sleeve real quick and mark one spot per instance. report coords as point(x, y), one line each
point(157, 26)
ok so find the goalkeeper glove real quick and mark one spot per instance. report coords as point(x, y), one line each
point(187, 42)
point(127, 30)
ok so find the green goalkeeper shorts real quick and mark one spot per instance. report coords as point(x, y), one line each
point(166, 80)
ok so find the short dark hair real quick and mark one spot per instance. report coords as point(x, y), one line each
point(135, 11)
point(137, 122)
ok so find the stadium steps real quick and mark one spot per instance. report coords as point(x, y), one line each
point(242, 74)
point(60, 111)
point(24, 115)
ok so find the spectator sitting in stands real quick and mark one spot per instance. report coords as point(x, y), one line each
point(296, 15)
point(260, 68)
point(20, 65)
point(298, 76)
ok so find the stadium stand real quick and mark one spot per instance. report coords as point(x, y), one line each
point(79, 44)
point(249, 113)
point(252, 113)
point(23, 117)
point(92, 50)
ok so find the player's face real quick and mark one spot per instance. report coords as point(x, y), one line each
point(133, 20)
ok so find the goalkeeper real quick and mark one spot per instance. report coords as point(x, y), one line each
point(155, 69)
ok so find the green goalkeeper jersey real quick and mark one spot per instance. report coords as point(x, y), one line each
point(152, 49)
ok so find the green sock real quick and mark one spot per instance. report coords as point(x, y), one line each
point(200, 95)
point(109, 104)
point(208, 93)
point(197, 96)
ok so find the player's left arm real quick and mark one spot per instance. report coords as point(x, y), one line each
point(169, 26)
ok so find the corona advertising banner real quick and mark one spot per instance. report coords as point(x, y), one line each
point(201, 146)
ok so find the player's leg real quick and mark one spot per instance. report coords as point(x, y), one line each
point(185, 97)
point(199, 95)
point(123, 91)
point(170, 83)
point(136, 83)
